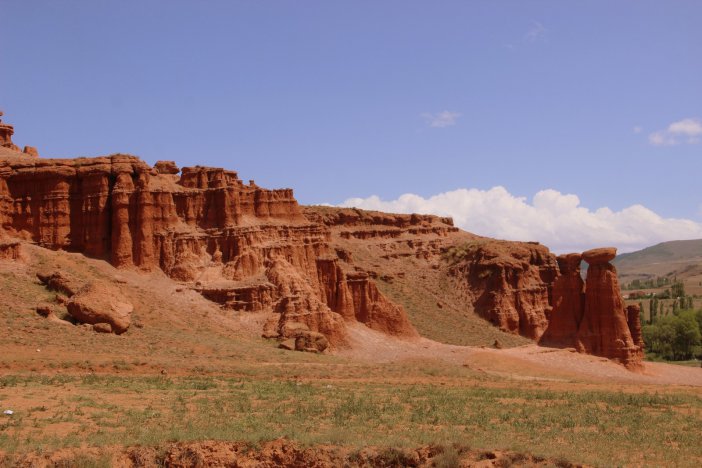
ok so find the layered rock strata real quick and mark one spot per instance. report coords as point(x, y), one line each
point(248, 248)
point(510, 283)
point(568, 300)
point(524, 289)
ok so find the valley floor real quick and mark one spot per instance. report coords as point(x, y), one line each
point(188, 374)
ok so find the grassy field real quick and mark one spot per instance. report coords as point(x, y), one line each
point(588, 426)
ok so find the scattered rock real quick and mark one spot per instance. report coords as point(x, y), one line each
point(45, 309)
point(102, 328)
point(311, 341)
point(287, 344)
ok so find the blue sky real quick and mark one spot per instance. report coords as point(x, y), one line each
point(342, 100)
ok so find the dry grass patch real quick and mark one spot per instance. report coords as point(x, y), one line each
point(98, 411)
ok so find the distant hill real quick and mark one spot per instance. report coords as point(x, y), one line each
point(682, 259)
point(672, 252)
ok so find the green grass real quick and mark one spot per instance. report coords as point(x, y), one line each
point(658, 428)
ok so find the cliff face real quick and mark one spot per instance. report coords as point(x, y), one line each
point(313, 269)
point(568, 303)
point(525, 289)
point(246, 247)
point(511, 283)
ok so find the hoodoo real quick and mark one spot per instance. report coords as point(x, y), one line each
point(568, 303)
point(524, 289)
point(604, 330)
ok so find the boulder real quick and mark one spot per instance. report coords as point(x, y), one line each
point(102, 328)
point(99, 303)
point(45, 309)
point(600, 255)
point(166, 167)
point(311, 342)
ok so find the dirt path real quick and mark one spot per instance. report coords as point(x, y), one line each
point(530, 362)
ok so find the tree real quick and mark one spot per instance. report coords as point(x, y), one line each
point(687, 337)
point(677, 289)
point(676, 337)
point(652, 310)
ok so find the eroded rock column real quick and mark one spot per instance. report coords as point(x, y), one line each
point(568, 303)
point(604, 330)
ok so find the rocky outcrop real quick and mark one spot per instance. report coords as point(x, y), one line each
point(510, 283)
point(604, 330)
point(524, 289)
point(6, 132)
point(256, 250)
point(60, 281)
point(568, 302)
point(10, 249)
point(355, 297)
point(247, 248)
point(298, 303)
point(166, 167)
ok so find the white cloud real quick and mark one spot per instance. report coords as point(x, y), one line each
point(637, 129)
point(535, 32)
point(552, 218)
point(683, 131)
point(441, 119)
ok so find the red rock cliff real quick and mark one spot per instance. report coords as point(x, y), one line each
point(510, 283)
point(523, 288)
point(236, 240)
point(568, 299)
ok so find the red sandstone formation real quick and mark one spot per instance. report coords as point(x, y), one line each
point(355, 297)
point(31, 151)
point(252, 249)
point(93, 303)
point(10, 249)
point(298, 303)
point(248, 248)
point(519, 288)
point(510, 283)
point(568, 300)
point(60, 282)
point(6, 132)
point(604, 330)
